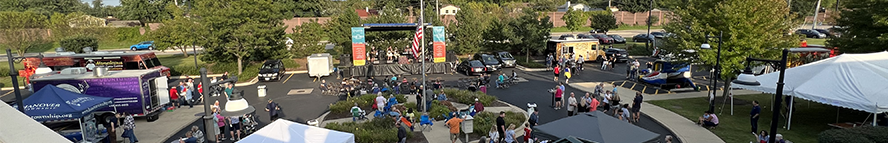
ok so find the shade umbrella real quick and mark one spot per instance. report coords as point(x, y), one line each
point(595, 126)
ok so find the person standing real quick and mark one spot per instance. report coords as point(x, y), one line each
point(111, 126)
point(234, 127)
point(501, 125)
point(566, 75)
point(220, 125)
point(454, 128)
point(571, 104)
point(587, 101)
point(224, 76)
point(593, 105)
point(528, 133)
point(558, 93)
point(624, 113)
point(754, 115)
point(493, 134)
point(229, 90)
point(402, 133)
point(636, 106)
point(174, 96)
point(129, 124)
point(534, 118)
point(272, 109)
point(197, 134)
point(380, 103)
point(557, 70)
point(510, 134)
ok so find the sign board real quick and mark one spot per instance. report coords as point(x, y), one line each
point(358, 56)
point(358, 35)
point(440, 48)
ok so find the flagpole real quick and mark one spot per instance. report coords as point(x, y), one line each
point(422, 45)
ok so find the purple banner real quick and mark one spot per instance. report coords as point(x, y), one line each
point(125, 91)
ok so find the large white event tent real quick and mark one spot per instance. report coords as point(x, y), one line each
point(854, 81)
point(17, 127)
point(284, 131)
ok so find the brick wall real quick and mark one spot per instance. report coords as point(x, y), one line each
point(622, 17)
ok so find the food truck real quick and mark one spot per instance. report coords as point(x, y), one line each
point(590, 49)
point(138, 92)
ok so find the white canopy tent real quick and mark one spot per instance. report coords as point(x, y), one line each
point(284, 131)
point(19, 128)
point(855, 81)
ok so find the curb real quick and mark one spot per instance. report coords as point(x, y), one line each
point(320, 119)
point(522, 68)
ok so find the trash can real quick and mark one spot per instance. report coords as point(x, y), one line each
point(468, 126)
point(261, 89)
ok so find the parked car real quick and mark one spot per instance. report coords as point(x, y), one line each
point(489, 61)
point(810, 33)
point(567, 37)
point(618, 39)
point(585, 36)
point(603, 38)
point(642, 38)
point(621, 54)
point(828, 33)
point(271, 70)
point(143, 45)
point(659, 34)
point(507, 59)
point(471, 67)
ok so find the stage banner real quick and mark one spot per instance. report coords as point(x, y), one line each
point(438, 32)
point(358, 55)
point(440, 52)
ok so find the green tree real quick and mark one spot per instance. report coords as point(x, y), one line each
point(573, 20)
point(532, 31)
point(339, 29)
point(306, 39)
point(865, 27)
point(144, 10)
point(176, 33)
point(467, 33)
point(603, 21)
point(244, 29)
point(21, 31)
point(310, 8)
point(634, 6)
point(498, 36)
point(78, 42)
point(546, 5)
point(751, 28)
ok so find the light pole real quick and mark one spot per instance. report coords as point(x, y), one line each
point(747, 78)
point(208, 112)
point(13, 75)
point(648, 43)
point(716, 69)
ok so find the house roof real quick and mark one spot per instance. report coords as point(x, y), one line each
point(571, 5)
point(446, 5)
point(366, 13)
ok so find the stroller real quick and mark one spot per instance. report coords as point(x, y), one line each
point(249, 124)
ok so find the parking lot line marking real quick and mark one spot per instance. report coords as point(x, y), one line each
point(657, 91)
point(7, 93)
point(612, 82)
point(643, 89)
point(621, 85)
point(288, 78)
point(633, 85)
point(707, 88)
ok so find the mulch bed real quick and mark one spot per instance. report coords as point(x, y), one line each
point(332, 116)
point(418, 137)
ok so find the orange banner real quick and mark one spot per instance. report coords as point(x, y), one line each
point(440, 52)
point(359, 56)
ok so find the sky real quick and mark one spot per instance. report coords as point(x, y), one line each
point(106, 2)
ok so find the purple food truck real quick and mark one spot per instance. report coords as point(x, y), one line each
point(138, 92)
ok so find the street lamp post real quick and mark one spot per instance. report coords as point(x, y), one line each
point(13, 75)
point(717, 68)
point(747, 78)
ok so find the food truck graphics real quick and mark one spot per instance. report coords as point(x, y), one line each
point(588, 48)
point(139, 92)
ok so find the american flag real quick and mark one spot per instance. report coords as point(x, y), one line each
point(416, 41)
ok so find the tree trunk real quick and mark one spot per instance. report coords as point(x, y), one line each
point(527, 55)
point(184, 50)
point(240, 65)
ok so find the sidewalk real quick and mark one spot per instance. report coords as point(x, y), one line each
point(684, 129)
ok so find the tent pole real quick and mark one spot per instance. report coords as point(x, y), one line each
point(732, 101)
point(789, 120)
point(837, 114)
point(874, 119)
point(82, 135)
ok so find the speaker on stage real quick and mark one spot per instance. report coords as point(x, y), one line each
point(345, 60)
point(451, 57)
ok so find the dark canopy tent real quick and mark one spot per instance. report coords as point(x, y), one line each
point(391, 26)
point(595, 126)
point(52, 104)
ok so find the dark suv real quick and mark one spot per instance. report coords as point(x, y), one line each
point(271, 70)
point(620, 54)
point(490, 61)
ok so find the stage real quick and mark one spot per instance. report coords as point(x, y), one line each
point(399, 69)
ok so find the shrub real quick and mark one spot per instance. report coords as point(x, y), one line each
point(364, 101)
point(290, 64)
point(484, 120)
point(857, 135)
point(129, 34)
point(468, 97)
point(77, 43)
point(184, 69)
point(438, 110)
point(379, 130)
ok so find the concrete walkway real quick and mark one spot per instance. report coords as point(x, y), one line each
point(166, 126)
point(686, 130)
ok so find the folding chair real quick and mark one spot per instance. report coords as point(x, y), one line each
point(425, 122)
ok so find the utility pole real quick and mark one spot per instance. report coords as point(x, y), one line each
point(649, 42)
point(422, 70)
point(816, 11)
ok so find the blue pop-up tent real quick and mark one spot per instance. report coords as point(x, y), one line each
point(53, 104)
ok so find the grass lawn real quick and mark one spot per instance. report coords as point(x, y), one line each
point(586, 29)
point(809, 118)
point(816, 41)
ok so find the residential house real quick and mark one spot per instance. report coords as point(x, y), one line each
point(575, 7)
point(448, 10)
